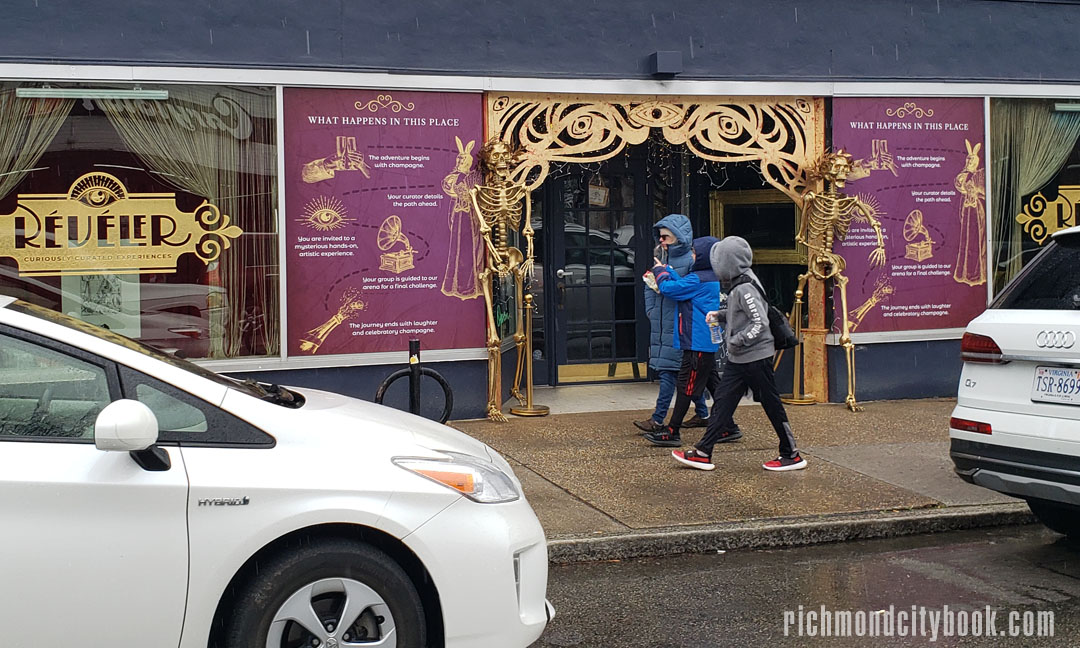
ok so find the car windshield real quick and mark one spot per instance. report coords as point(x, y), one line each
point(70, 322)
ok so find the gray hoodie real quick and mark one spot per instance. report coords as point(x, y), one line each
point(746, 319)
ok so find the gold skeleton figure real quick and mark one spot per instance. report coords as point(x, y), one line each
point(826, 218)
point(498, 207)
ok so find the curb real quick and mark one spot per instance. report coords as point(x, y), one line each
point(783, 532)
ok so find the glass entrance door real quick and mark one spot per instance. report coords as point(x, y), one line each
point(597, 248)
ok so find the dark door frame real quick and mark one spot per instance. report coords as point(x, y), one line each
point(634, 162)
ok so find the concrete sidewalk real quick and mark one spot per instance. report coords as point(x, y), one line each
point(602, 492)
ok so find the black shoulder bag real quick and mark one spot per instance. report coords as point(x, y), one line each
point(783, 336)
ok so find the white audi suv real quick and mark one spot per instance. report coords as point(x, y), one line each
point(1016, 425)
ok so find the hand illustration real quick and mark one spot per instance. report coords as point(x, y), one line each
point(885, 161)
point(347, 158)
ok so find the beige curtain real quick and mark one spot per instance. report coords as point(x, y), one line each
point(1030, 141)
point(226, 156)
point(27, 127)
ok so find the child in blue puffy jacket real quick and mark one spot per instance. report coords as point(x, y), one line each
point(697, 294)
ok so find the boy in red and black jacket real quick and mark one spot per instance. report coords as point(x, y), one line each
point(697, 294)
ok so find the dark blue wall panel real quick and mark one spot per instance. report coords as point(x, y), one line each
point(468, 379)
point(897, 370)
point(797, 40)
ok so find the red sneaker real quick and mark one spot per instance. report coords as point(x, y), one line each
point(783, 463)
point(694, 458)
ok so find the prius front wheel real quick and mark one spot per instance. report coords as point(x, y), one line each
point(328, 594)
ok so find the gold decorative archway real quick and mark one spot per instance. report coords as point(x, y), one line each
point(783, 135)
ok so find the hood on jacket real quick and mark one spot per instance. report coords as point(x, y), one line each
point(702, 248)
point(681, 228)
point(731, 257)
point(702, 264)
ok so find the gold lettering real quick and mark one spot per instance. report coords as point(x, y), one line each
point(85, 232)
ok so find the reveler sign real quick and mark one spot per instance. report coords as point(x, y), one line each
point(1041, 216)
point(98, 227)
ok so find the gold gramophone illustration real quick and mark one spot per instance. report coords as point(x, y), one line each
point(351, 305)
point(914, 228)
point(883, 289)
point(390, 234)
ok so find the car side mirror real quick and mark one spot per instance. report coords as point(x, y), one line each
point(126, 426)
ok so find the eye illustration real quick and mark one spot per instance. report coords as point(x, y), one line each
point(656, 113)
point(97, 190)
point(325, 214)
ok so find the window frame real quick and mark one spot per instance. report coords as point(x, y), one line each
point(224, 429)
point(719, 201)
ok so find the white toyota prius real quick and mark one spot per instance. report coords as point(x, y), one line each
point(145, 501)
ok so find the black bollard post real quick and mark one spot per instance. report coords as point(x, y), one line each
point(414, 376)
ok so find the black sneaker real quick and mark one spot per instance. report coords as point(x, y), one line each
point(665, 438)
point(730, 436)
point(695, 421)
point(648, 425)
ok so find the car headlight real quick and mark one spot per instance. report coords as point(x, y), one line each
point(477, 479)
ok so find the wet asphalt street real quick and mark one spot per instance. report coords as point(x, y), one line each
point(749, 598)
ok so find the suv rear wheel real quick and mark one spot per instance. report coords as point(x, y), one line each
point(1058, 517)
point(328, 593)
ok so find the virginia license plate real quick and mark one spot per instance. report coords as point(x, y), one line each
point(1056, 385)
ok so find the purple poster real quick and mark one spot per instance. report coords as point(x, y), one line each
point(924, 166)
point(382, 244)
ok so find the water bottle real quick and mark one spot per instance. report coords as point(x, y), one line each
point(716, 332)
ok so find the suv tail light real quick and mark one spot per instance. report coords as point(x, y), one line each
point(965, 425)
point(979, 348)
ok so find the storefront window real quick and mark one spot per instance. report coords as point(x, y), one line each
point(149, 213)
point(1035, 178)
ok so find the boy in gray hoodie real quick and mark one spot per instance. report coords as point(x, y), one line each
point(750, 354)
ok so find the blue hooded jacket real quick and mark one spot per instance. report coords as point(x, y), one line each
point(662, 311)
point(697, 293)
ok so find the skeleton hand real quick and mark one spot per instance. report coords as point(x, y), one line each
point(877, 258)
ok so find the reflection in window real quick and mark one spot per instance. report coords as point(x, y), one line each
point(47, 394)
point(173, 414)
